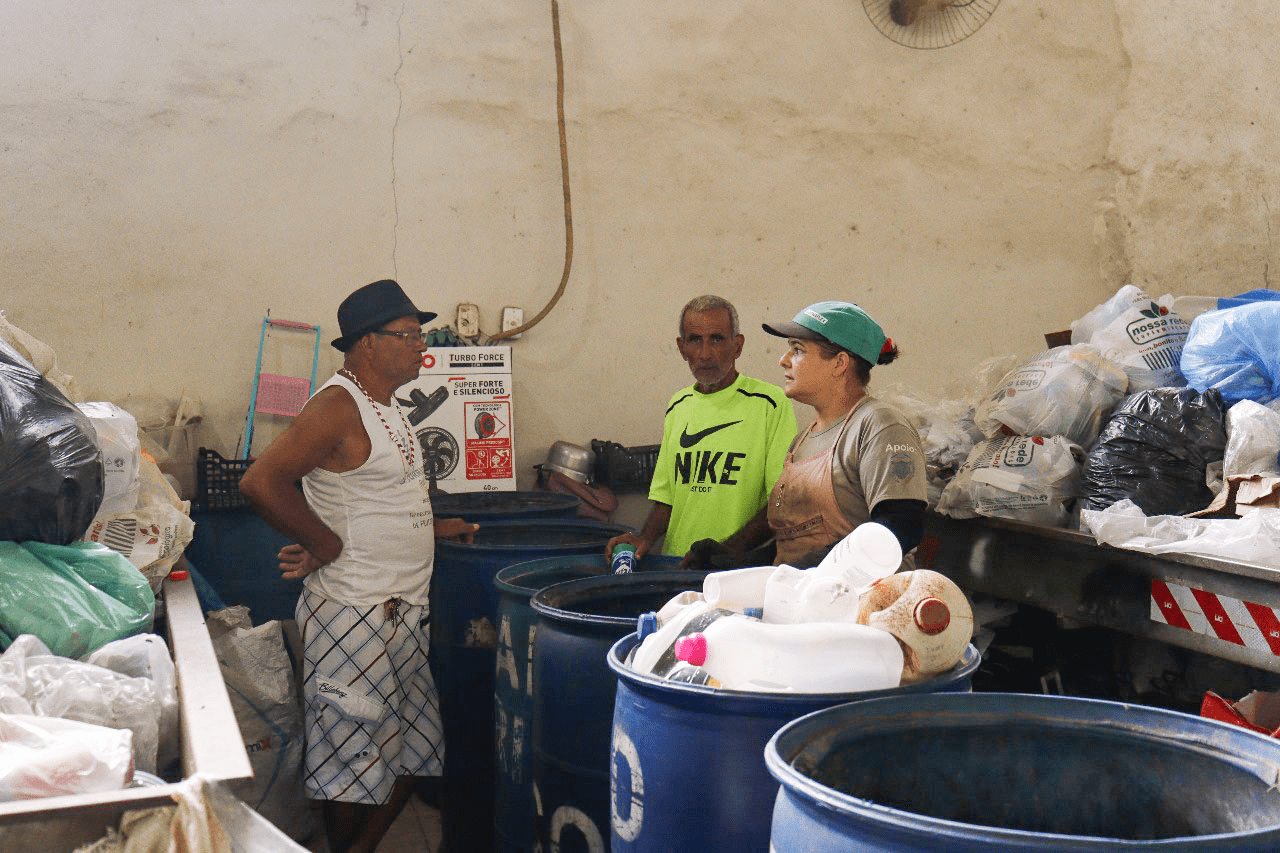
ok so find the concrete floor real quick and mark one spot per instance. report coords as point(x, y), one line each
point(416, 830)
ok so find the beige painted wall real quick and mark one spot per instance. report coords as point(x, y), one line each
point(175, 170)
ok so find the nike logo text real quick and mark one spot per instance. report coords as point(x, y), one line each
point(687, 441)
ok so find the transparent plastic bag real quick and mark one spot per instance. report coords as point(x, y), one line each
point(1234, 351)
point(74, 690)
point(1253, 441)
point(117, 433)
point(1023, 478)
point(1065, 391)
point(47, 757)
point(1253, 538)
point(1143, 335)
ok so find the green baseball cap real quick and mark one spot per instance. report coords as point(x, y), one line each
point(842, 323)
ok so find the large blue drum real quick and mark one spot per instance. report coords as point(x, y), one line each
point(688, 769)
point(1014, 772)
point(464, 636)
point(578, 622)
point(513, 691)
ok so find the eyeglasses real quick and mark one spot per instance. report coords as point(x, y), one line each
point(407, 337)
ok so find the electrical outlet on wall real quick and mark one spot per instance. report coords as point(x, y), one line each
point(468, 320)
point(511, 318)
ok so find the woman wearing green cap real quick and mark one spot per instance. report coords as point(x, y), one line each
point(860, 461)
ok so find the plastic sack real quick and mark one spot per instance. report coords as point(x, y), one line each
point(152, 538)
point(266, 700)
point(1154, 450)
point(1235, 352)
point(1023, 478)
point(1253, 538)
point(41, 356)
point(75, 598)
point(47, 757)
point(117, 433)
point(69, 689)
point(1253, 441)
point(206, 819)
point(1141, 334)
point(51, 473)
point(147, 656)
point(1064, 391)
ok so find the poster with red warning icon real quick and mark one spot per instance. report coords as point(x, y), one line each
point(460, 409)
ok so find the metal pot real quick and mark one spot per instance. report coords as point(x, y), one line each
point(573, 461)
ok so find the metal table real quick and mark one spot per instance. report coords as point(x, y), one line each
point(1218, 607)
point(211, 745)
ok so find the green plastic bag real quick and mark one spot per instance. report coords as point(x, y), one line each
point(76, 598)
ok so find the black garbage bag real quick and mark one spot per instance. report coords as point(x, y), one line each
point(51, 474)
point(1154, 449)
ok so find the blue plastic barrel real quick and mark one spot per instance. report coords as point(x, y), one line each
point(496, 507)
point(464, 635)
point(1006, 772)
point(688, 767)
point(513, 691)
point(573, 698)
point(236, 553)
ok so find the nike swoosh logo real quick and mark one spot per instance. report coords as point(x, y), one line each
point(687, 441)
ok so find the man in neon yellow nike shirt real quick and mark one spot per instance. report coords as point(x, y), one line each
point(724, 439)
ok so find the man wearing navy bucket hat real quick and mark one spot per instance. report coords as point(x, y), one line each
point(861, 460)
point(365, 537)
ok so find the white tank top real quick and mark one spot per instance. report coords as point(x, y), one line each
point(382, 513)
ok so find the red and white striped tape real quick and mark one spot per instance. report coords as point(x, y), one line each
point(1254, 626)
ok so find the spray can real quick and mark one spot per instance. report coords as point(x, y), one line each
point(623, 559)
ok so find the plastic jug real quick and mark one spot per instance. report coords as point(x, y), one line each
point(794, 596)
point(817, 657)
point(868, 553)
point(737, 589)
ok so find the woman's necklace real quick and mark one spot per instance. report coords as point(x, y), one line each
point(408, 455)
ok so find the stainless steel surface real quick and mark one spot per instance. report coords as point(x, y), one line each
point(211, 744)
point(1068, 573)
point(572, 460)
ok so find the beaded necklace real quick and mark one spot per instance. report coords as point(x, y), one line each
point(409, 456)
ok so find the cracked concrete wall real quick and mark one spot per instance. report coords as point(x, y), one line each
point(172, 172)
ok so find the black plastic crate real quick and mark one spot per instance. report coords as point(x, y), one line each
point(621, 467)
point(218, 482)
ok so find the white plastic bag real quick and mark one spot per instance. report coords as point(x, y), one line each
point(62, 687)
point(1253, 538)
point(1253, 441)
point(1141, 334)
point(1023, 478)
point(1065, 391)
point(147, 656)
point(47, 757)
point(118, 440)
point(265, 698)
point(206, 819)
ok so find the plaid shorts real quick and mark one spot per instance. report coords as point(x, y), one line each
point(371, 708)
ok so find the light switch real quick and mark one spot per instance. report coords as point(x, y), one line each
point(468, 320)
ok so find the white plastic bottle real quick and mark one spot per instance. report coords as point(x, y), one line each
point(870, 551)
point(793, 596)
point(736, 589)
point(817, 657)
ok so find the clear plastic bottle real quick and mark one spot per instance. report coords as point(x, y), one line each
point(687, 673)
point(817, 657)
